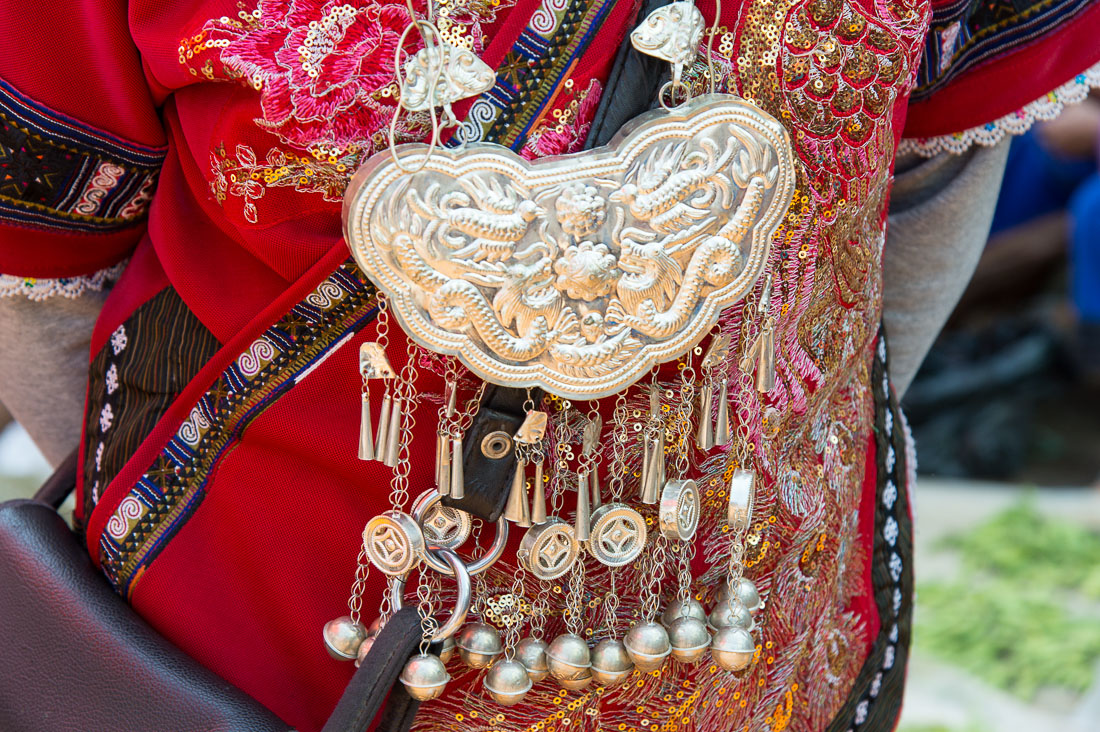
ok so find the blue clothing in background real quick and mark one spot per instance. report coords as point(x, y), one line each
point(1084, 210)
point(1036, 183)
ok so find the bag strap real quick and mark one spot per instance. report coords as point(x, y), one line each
point(59, 485)
point(376, 679)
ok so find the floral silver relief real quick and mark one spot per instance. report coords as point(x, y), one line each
point(577, 273)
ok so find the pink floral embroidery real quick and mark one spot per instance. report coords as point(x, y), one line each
point(321, 66)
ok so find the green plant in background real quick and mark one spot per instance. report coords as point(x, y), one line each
point(1022, 545)
point(1002, 620)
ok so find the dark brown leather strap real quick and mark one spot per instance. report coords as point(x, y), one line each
point(376, 679)
point(59, 485)
point(631, 89)
point(488, 480)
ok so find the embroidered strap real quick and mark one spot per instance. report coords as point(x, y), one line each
point(59, 173)
point(1049, 106)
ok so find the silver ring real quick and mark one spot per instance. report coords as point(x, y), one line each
point(459, 571)
point(482, 563)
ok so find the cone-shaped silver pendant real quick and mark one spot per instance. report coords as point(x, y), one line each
point(654, 475)
point(444, 483)
point(393, 435)
point(704, 436)
point(538, 498)
point(366, 431)
point(765, 360)
point(643, 484)
point(383, 427)
point(458, 479)
point(582, 526)
point(594, 481)
point(722, 424)
point(516, 509)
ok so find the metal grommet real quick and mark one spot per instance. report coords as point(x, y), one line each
point(457, 569)
point(482, 563)
point(496, 445)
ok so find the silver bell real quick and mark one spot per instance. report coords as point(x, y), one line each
point(689, 639)
point(531, 652)
point(733, 648)
point(479, 645)
point(569, 661)
point(611, 664)
point(648, 646)
point(677, 607)
point(425, 677)
point(725, 615)
point(343, 638)
point(364, 649)
point(746, 590)
point(507, 682)
point(447, 652)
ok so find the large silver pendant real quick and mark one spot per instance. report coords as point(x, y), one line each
point(578, 273)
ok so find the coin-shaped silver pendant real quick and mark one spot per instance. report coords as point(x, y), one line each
point(679, 510)
point(442, 526)
point(549, 550)
point(394, 542)
point(618, 534)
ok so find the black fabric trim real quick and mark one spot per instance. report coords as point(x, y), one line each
point(875, 700)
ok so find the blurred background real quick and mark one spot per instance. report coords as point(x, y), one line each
point(1006, 415)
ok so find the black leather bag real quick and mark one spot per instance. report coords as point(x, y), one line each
point(74, 657)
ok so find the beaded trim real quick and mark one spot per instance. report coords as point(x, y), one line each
point(1047, 107)
point(43, 288)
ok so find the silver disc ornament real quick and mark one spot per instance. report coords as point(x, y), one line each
point(442, 526)
point(679, 509)
point(549, 550)
point(618, 534)
point(394, 542)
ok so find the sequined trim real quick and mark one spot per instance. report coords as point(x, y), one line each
point(43, 288)
point(170, 491)
point(59, 173)
point(1049, 106)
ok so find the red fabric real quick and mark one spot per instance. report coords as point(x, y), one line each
point(77, 58)
point(1007, 83)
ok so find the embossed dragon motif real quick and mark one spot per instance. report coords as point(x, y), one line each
point(576, 274)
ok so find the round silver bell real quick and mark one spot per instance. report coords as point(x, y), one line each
point(689, 639)
point(343, 638)
point(733, 648)
point(507, 682)
point(531, 652)
point(648, 646)
point(746, 590)
point(611, 664)
point(425, 677)
point(479, 645)
point(678, 607)
point(447, 652)
point(569, 661)
point(364, 649)
point(725, 615)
